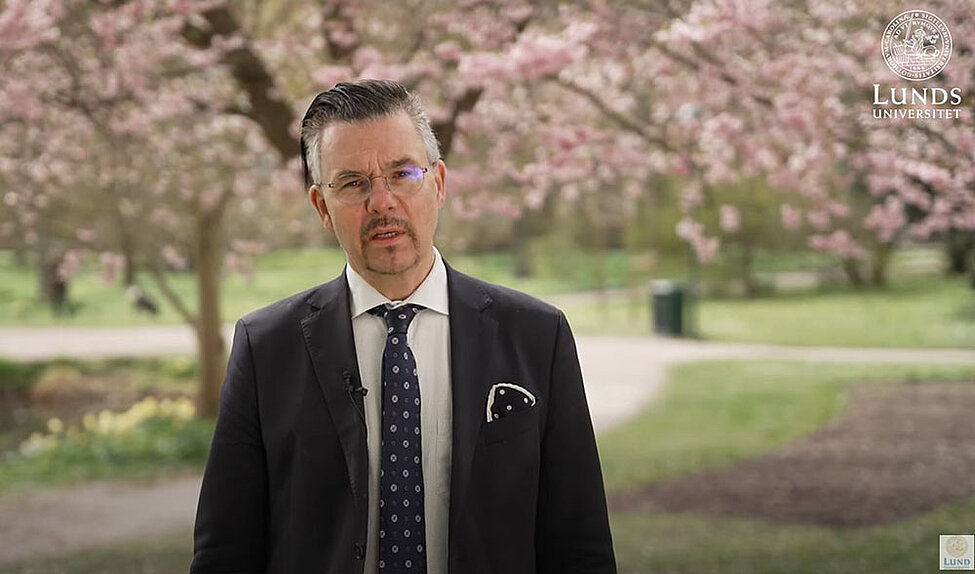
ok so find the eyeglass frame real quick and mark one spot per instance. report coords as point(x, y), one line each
point(389, 188)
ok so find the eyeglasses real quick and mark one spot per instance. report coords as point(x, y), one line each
point(401, 181)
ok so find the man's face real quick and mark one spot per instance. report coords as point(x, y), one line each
point(384, 235)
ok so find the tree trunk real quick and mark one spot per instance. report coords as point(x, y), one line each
point(971, 269)
point(51, 288)
point(851, 268)
point(960, 247)
point(128, 254)
point(210, 342)
point(747, 271)
point(40, 262)
point(600, 270)
point(880, 263)
point(523, 264)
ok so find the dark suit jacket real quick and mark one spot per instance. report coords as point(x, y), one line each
point(286, 482)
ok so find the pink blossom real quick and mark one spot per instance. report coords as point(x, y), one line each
point(791, 217)
point(543, 56)
point(705, 248)
point(730, 219)
point(173, 259)
point(818, 218)
point(839, 242)
point(691, 196)
point(448, 50)
point(887, 218)
point(485, 67)
point(70, 263)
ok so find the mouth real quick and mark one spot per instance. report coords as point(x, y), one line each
point(386, 234)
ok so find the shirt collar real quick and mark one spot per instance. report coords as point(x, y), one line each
point(431, 294)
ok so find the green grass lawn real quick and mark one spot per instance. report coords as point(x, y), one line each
point(710, 414)
point(915, 312)
point(282, 273)
point(685, 544)
point(276, 275)
point(714, 413)
point(912, 311)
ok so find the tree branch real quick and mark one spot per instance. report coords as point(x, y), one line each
point(446, 130)
point(623, 121)
point(269, 109)
point(159, 275)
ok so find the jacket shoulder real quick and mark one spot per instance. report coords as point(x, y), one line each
point(290, 309)
point(507, 300)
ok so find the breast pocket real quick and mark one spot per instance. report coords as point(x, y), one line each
point(509, 427)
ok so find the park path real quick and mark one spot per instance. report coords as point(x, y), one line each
point(623, 374)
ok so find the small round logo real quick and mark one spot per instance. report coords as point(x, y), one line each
point(956, 546)
point(916, 45)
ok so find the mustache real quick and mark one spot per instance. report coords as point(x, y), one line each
point(373, 224)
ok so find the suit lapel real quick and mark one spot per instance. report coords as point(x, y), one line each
point(327, 329)
point(472, 340)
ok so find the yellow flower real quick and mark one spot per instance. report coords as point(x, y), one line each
point(105, 422)
point(37, 443)
point(185, 409)
point(55, 425)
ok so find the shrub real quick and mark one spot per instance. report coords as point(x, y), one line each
point(17, 377)
point(150, 438)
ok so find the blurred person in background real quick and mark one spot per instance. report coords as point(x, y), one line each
point(338, 450)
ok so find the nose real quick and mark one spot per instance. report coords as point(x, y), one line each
point(380, 197)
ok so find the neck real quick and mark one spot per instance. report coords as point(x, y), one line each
point(399, 286)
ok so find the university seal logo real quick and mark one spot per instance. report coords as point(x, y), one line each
point(957, 552)
point(956, 546)
point(916, 45)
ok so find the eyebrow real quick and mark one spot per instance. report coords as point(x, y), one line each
point(389, 165)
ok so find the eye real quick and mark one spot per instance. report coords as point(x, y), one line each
point(410, 172)
point(352, 184)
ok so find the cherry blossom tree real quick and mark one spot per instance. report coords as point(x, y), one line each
point(745, 90)
point(719, 92)
point(144, 130)
point(116, 139)
point(162, 134)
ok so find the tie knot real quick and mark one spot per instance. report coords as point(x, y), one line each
point(398, 319)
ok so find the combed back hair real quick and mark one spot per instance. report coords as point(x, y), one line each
point(359, 101)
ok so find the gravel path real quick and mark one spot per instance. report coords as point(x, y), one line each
point(93, 514)
point(622, 375)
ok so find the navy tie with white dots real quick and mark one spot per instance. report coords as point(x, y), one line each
point(402, 527)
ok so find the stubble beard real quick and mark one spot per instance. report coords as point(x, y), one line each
point(389, 253)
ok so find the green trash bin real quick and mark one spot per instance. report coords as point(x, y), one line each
point(667, 304)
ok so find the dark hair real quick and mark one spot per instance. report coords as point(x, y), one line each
point(359, 101)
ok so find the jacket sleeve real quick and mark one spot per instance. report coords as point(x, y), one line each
point(231, 518)
point(573, 527)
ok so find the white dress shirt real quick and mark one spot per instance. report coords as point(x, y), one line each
point(429, 338)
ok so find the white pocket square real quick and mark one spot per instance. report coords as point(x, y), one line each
point(506, 398)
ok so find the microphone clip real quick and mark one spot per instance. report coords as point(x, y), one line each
point(351, 388)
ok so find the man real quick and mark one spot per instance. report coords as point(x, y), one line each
point(338, 450)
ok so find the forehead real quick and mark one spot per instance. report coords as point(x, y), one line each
point(370, 144)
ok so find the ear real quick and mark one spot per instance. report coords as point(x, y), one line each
point(317, 199)
point(440, 179)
